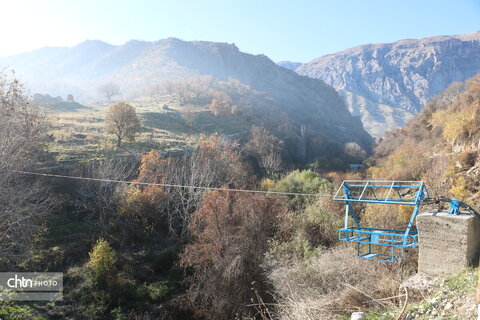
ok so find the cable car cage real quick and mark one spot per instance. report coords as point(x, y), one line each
point(380, 244)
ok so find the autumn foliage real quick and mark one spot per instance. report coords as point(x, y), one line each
point(215, 163)
point(438, 146)
point(231, 233)
point(122, 121)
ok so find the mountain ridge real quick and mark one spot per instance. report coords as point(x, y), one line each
point(386, 83)
point(137, 65)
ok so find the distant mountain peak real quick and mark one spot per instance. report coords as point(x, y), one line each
point(386, 83)
point(93, 43)
point(135, 42)
point(289, 64)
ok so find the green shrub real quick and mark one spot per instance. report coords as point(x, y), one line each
point(159, 291)
point(459, 189)
point(102, 262)
point(306, 182)
point(12, 311)
point(97, 286)
point(307, 232)
point(297, 247)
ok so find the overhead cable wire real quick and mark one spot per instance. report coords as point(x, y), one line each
point(170, 185)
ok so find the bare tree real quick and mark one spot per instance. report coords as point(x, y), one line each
point(109, 90)
point(266, 148)
point(271, 162)
point(122, 121)
point(100, 197)
point(434, 169)
point(23, 200)
point(215, 163)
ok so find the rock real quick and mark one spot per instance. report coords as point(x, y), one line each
point(358, 316)
point(387, 83)
point(418, 286)
point(448, 306)
point(434, 300)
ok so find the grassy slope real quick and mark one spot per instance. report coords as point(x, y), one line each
point(81, 136)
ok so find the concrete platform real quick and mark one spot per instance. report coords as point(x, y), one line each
point(447, 243)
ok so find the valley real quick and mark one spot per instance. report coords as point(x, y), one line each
point(184, 179)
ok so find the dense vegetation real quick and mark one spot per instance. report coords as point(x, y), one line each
point(443, 139)
point(160, 248)
point(127, 249)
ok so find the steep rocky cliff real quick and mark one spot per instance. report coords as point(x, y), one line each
point(386, 84)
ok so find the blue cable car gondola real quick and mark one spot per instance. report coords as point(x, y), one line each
point(376, 243)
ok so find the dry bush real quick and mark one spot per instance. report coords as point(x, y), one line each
point(473, 86)
point(142, 212)
point(100, 198)
point(231, 233)
point(215, 163)
point(266, 149)
point(435, 174)
point(459, 189)
point(388, 144)
point(332, 284)
point(23, 199)
point(387, 217)
point(403, 164)
point(468, 159)
point(221, 103)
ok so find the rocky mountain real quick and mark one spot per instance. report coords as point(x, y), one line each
point(386, 84)
point(289, 64)
point(439, 145)
point(309, 103)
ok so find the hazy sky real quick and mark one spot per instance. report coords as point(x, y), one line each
point(281, 29)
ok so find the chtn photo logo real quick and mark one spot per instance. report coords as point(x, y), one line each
point(31, 286)
point(17, 282)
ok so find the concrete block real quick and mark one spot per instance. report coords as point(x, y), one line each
point(447, 243)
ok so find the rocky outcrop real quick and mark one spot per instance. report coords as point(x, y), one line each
point(386, 84)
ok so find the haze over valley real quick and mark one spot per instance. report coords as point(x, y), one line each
point(247, 160)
